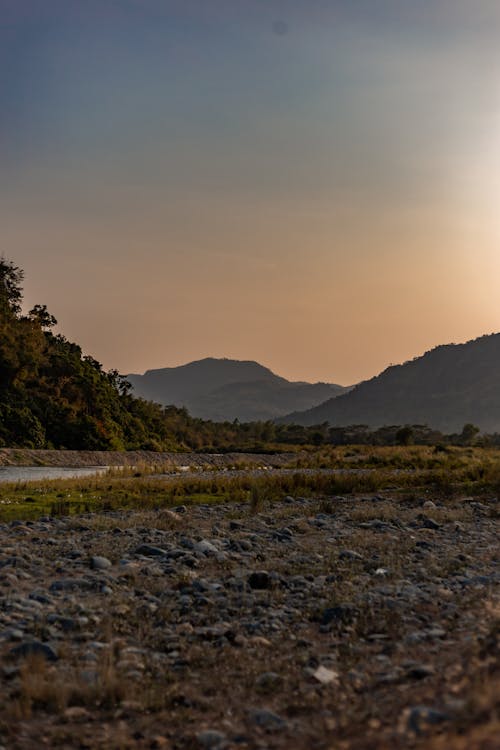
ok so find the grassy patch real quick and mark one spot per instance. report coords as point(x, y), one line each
point(331, 473)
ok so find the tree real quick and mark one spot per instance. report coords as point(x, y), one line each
point(469, 433)
point(40, 315)
point(405, 435)
point(11, 293)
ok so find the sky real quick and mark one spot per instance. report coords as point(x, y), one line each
point(310, 184)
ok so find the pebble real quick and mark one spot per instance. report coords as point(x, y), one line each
point(419, 719)
point(325, 676)
point(148, 550)
point(259, 580)
point(269, 681)
point(33, 648)
point(97, 562)
point(350, 554)
point(206, 548)
point(211, 739)
point(268, 720)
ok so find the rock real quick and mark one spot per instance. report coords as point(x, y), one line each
point(420, 671)
point(170, 515)
point(344, 613)
point(148, 550)
point(269, 681)
point(65, 623)
point(34, 648)
point(480, 507)
point(12, 634)
point(325, 676)
point(72, 584)
point(349, 554)
point(268, 720)
point(205, 547)
point(419, 718)
point(429, 505)
point(100, 563)
point(259, 640)
point(428, 523)
point(211, 739)
point(259, 580)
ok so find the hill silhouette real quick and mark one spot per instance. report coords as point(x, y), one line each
point(445, 388)
point(228, 389)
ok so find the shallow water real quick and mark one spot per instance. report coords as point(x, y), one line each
point(36, 473)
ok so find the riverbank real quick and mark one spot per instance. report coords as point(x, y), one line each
point(83, 459)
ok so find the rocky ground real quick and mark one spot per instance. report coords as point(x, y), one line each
point(313, 624)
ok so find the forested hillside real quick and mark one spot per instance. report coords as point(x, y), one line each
point(446, 388)
point(53, 396)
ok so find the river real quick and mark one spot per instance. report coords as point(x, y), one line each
point(36, 473)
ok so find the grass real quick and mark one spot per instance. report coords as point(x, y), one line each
point(327, 473)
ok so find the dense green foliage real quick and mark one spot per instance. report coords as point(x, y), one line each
point(53, 396)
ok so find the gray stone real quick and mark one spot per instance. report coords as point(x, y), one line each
point(97, 562)
point(349, 554)
point(429, 523)
point(269, 681)
point(72, 584)
point(148, 550)
point(420, 718)
point(268, 720)
point(211, 739)
point(205, 547)
point(343, 613)
point(34, 648)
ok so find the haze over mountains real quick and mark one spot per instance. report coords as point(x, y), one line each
point(226, 389)
point(445, 388)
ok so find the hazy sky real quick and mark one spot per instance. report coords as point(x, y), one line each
point(314, 184)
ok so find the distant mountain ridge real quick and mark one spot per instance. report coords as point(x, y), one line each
point(445, 388)
point(228, 389)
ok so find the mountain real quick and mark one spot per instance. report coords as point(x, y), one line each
point(445, 388)
point(228, 389)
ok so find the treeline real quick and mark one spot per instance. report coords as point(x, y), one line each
point(265, 436)
point(360, 434)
